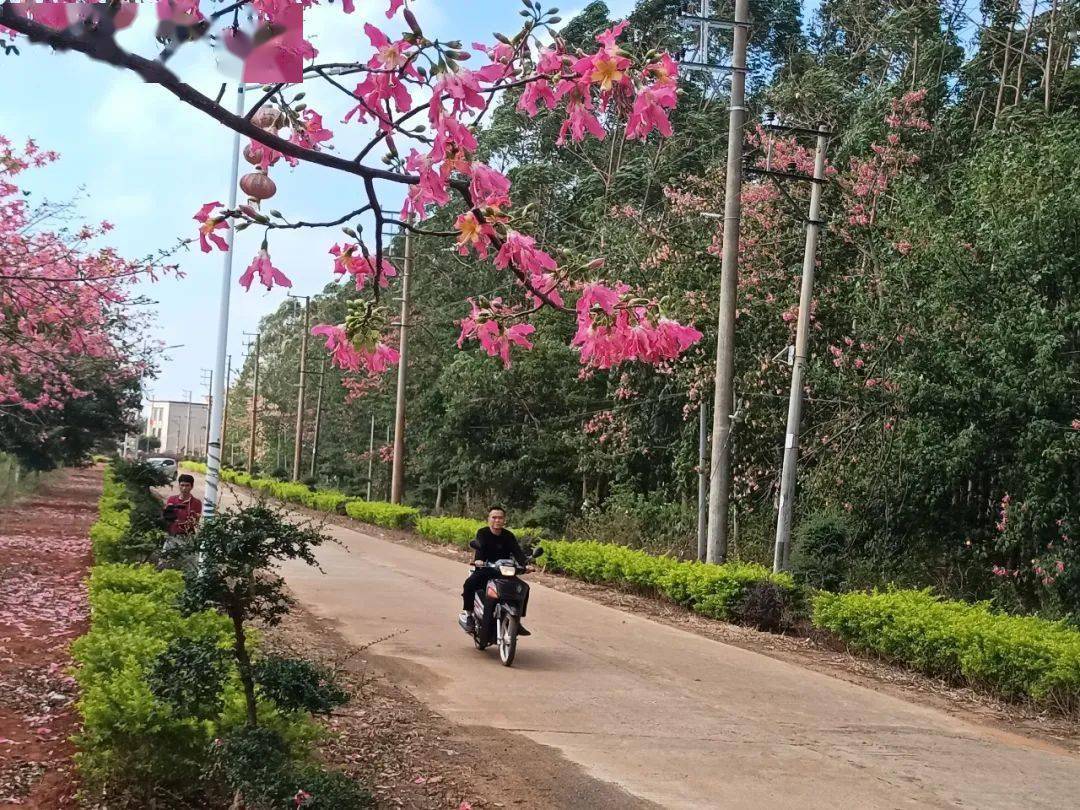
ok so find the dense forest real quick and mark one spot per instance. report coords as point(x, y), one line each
point(941, 426)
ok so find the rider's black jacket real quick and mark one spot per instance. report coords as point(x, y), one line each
point(500, 546)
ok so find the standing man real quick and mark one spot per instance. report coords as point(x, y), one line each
point(495, 542)
point(182, 511)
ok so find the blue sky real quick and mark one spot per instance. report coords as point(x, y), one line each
point(147, 162)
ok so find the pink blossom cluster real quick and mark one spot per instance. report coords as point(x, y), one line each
point(485, 323)
point(614, 328)
point(346, 355)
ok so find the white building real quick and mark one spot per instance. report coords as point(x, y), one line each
point(179, 425)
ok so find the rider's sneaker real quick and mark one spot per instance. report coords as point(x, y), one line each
point(469, 619)
point(522, 631)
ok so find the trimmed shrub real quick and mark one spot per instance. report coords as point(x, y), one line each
point(1012, 656)
point(388, 515)
point(820, 557)
point(717, 591)
point(328, 500)
point(459, 531)
point(193, 466)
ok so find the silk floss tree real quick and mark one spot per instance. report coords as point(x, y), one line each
point(425, 107)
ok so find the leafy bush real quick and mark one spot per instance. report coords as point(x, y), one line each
point(190, 676)
point(639, 521)
point(255, 762)
point(389, 515)
point(718, 591)
point(132, 742)
point(456, 530)
point(290, 491)
point(1013, 656)
point(193, 466)
point(327, 500)
point(821, 555)
point(295, 684)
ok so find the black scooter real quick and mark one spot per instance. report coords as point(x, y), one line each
point(497, 610)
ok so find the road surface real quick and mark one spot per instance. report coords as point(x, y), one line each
point(671, 717)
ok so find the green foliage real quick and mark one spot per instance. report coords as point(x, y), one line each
point(190, 676)
point(717, 591)
point(1015, 657)
point(822, 554)
point(638, 521)
point(132, 742)
point(298, 685)
point(389, 515)
point(459, 531)
point(13, 478)
point(255, 762)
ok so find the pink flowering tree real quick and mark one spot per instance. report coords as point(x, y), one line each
point(424, 100)
point(60, 299)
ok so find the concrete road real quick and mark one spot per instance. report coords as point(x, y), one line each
point(671, 717)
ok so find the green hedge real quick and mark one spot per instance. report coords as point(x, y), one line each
point(1012, 656)
point(717, 591)
point(134, 747)
point(459, 531)
point(193, 466)
point(389, 515)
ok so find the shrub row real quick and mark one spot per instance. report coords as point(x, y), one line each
point(389, 515)
point(132, 743)
point(459, 531)
point(323, 500)
point(740, 592)
point(1012, 656)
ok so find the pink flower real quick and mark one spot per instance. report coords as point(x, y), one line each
point(488, 184)
point(483, 324)
point(649, 112)
point(268, 274)
point(348, 259)
point(208, 226)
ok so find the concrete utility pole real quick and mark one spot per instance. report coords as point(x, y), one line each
point(782, 549)
point(720, 470)
point(224, 413)
point(187, 427)
point(397, 477)
point(371, 457)
point(318, 418)
point(703, 479)
point(389, 476)
point(254, 408)
point(298, 445)
point(208, 381)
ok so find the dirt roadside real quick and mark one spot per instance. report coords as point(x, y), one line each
point(44, 558)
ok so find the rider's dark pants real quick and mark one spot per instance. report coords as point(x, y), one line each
point(476, 582)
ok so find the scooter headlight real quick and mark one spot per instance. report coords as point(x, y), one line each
point(507, 570)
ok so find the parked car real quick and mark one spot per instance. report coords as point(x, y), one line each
point(167, 464)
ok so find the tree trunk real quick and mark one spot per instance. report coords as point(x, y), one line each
point(1023, 52)
point(243, 665)
point(1048, 67)
point(1005, 63)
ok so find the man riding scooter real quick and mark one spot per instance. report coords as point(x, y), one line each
point(493, 542)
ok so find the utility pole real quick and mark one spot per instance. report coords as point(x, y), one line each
point(397, 477)
point(389, 485)
point(208, 381)
point(318, 418)
point(703, 479)
point(371, 457)
point(187, 427)
point(225, 414)
point(254, 409)
point(782, 550)
point(298, 445)
point(720, 468)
